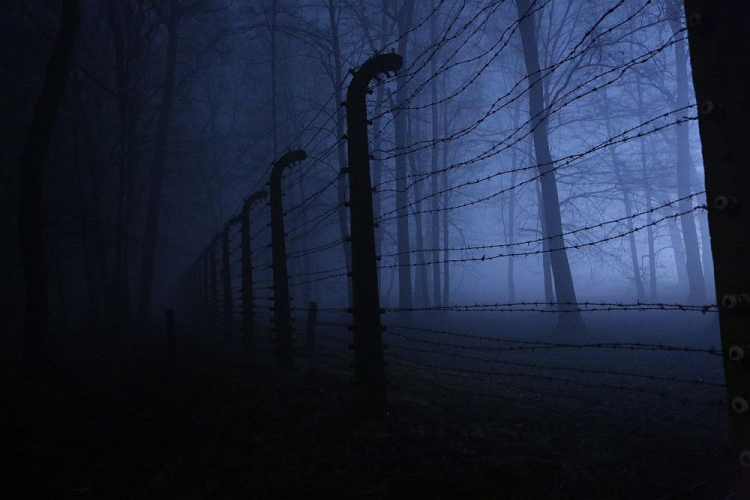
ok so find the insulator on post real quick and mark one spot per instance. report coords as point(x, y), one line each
point(738, 353)
point(736, 301)
point(725, 202)
point(706, 108)
point(739, 405)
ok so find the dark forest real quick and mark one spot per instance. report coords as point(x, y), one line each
point(375, 249)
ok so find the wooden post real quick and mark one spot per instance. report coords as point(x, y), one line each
point(248, 309)
point(206, 284)
point(213, 280)
point(169, 313)
point(195, 287)
point(281, 308)
point(226, 279)
point(717, 32)
point(368, 348)
point(312, 318)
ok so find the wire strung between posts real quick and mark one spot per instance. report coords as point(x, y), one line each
point(341, 271)
point(535, 346)
point(547, 238)
point(718, 402)
point(563, 162)
point(542, 116)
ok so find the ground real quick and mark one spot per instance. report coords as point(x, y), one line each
point(125, 419)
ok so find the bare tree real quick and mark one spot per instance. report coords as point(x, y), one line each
point(33, 162)
point(570, 318)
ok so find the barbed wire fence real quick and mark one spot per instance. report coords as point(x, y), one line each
point(336, 318)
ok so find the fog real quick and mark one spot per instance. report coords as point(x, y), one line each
point(538, 214)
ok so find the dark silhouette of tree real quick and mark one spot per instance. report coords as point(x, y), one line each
point(33, 163)
point(564, 290)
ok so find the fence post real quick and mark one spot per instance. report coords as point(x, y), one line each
point(718, 39)
point(248, 309)
point(213, 280)
point(195, 287)
point(226, 278)
point(169, 313)
point(281, 308)
point(312, 318)
point(206, 284)
point(369, 366)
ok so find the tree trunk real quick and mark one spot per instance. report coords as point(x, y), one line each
point(696, 282)
point(570, 318)
point(625, 193)
point(549, 293)
point(421, 289)
point(125, 58)
point(402, 197)
point(653, 293)
point(510, 232)
point(446, 216)
point(30, 217)
point(679, 254)
point(274, 111)
point(340, 121)
point(157, 175)
point(434, 180)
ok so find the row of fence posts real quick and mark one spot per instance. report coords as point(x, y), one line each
point(200, 283)
point(201, 279)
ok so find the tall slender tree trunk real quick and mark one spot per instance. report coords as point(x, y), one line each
point(446, 216)
point(377, 165)
point(653, 292)
point(402, 197)
point(678, 249)
point(30, 213)
point(125, 56)
point(157, 173)
point(421, 289)
point(340, 121)
point(434, 180)
point(696, 282)
point(510, 232)
point(274, 111)
point(85, 209)
point(625, 193)
point(570, 318)
point(549, 293)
